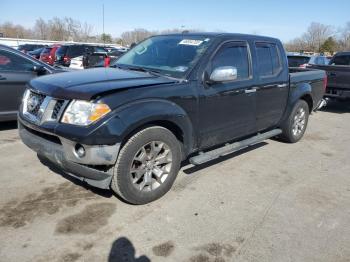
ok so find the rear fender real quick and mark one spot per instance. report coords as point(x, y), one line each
point(297, 92)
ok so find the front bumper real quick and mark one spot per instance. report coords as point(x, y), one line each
point(93, 168)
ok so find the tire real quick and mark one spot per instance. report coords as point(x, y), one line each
point(294, 127)
point(143, 172)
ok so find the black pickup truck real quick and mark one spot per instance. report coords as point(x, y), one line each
point(338, 72)
point(170, 98)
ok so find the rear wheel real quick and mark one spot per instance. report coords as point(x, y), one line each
point(295, 126)
point(147, 165)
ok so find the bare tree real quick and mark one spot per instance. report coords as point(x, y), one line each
point(57, 29)
point(16, 31)
point(344, 37)
point(40, 29)
point(316, 34)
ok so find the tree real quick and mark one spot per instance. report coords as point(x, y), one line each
point(329, 45)
point(344, 38)
point(106, 38)
point(316, 34)
point(41, 29)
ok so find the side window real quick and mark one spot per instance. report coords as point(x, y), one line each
point(341, 60)
point(233, 54)
point(268, 59)
point(12, 62)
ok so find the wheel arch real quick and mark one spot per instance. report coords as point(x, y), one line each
point(158, 113)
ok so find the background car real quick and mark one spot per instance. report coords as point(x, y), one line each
point(16, 69)
point(302, 61)
point(36, 53)
point(28, 47)
point(100, 60)
point(66, 52)
point(48, 54)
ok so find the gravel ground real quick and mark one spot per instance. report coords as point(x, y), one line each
point(273, 202)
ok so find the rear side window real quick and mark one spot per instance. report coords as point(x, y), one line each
point(233, 54)
point(268, 59)
point(341, 60)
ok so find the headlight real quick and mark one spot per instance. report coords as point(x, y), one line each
point(83, 113)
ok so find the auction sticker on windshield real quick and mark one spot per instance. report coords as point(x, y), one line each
point(190, 42)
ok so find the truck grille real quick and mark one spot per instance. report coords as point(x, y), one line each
point(34, 102)
point(39, 108)
point(57, 109)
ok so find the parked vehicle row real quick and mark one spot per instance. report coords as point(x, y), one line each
point(76, 56)
point(172, 97)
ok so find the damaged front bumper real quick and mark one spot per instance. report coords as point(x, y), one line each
point(93, 166)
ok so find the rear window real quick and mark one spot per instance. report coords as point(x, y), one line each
point(75, 50)
point(296, 61)
point(269, 61)
point(341, 60)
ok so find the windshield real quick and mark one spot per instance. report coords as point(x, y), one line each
point(173, 56)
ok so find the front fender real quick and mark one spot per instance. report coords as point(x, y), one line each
point(142, 112)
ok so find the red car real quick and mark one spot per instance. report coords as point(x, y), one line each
point(48, 54)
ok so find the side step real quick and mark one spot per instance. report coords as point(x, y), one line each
point(230, 148)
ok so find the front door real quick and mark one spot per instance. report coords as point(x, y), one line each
point(227, 109)
point(15, 72)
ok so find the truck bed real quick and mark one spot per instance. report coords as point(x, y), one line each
point(305, 74)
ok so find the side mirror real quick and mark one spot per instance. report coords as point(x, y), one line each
point(224, 74)
point(39, 69)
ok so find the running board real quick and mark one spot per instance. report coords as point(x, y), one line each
point(230, 148)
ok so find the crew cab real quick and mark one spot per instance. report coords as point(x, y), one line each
point(338, 72)
point(170, 98)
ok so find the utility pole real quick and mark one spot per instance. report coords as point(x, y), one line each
point(103, 24)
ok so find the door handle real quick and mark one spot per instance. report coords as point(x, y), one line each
point(281, 85)
point(2, 78)
point(248, 91)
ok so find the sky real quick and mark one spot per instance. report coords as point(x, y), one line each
point(278, 18)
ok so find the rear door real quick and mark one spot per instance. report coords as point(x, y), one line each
point(272, 85)
point(15, 72)
point(227, 109)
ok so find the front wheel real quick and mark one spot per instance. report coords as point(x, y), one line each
point(147, 165)
point(295, 126)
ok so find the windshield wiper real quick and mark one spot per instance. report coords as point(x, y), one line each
point(140, 69)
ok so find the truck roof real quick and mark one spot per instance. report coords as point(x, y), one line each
point(343, 53)
point(223, 35)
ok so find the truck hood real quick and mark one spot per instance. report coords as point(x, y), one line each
point(90, 83)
